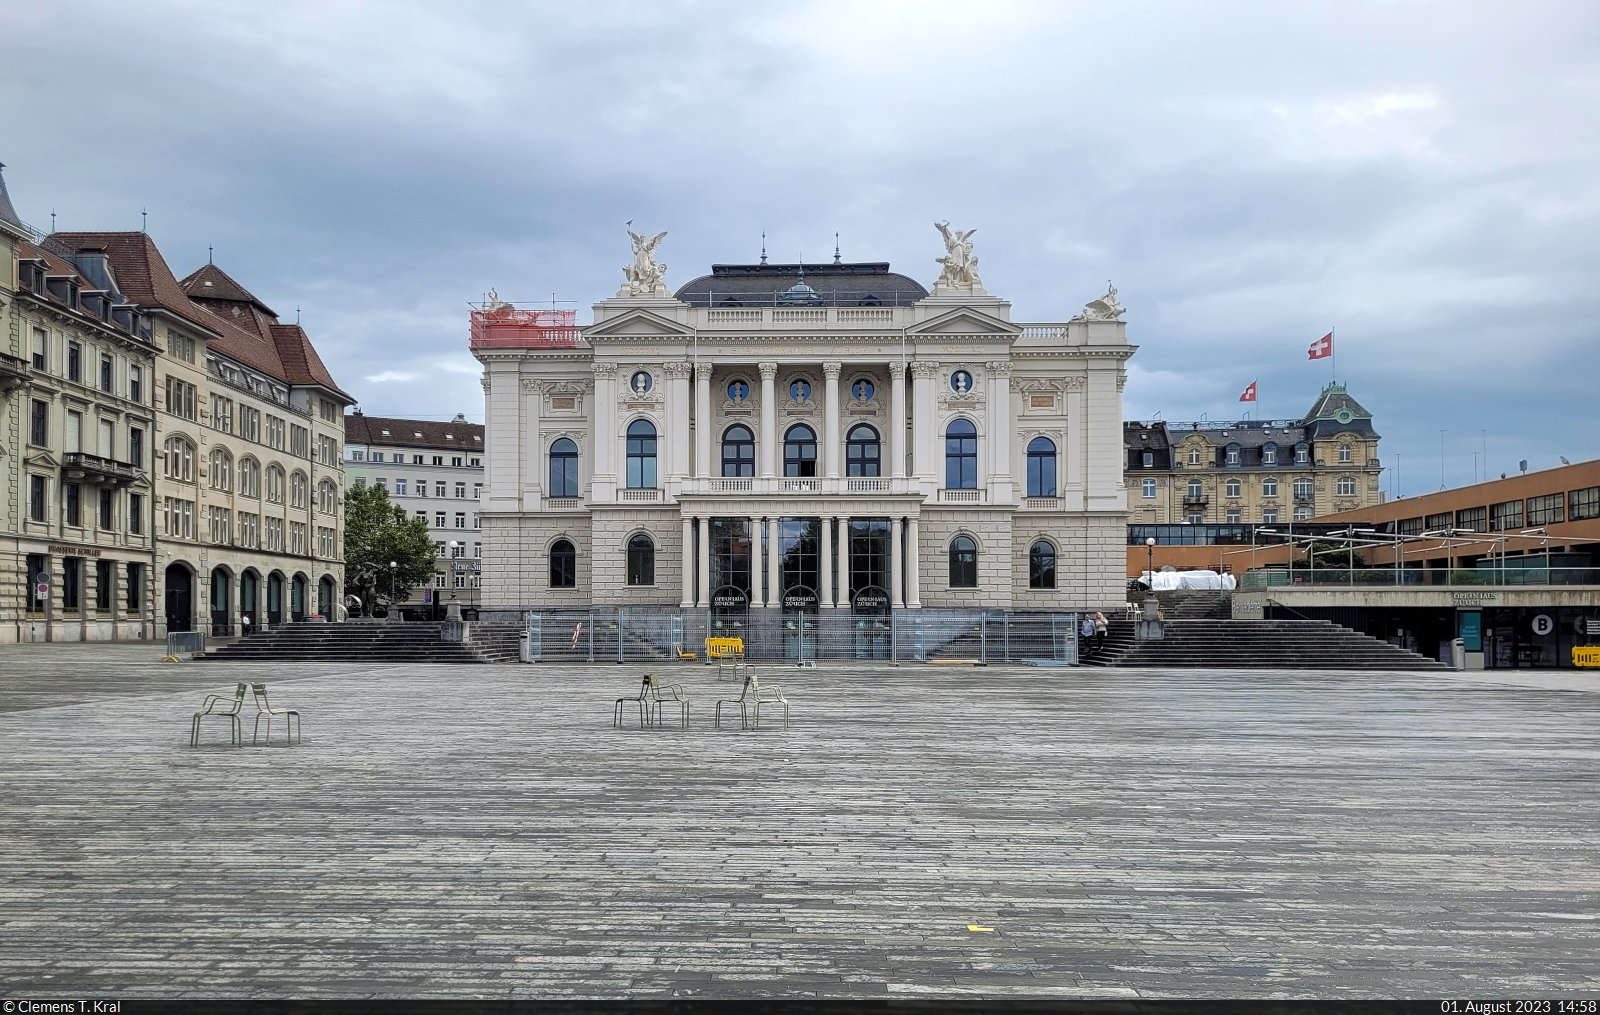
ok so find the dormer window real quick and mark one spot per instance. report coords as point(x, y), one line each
point(1302, 453)
point(1269, 454)
point(1149, 459)
point(1194, 456)
point(1233, 454)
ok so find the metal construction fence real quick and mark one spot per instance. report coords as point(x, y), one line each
point(629, 634)
point(185, 641)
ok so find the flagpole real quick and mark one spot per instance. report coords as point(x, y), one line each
point(1333, 347)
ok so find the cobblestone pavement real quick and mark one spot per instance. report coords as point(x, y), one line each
point(483, 831)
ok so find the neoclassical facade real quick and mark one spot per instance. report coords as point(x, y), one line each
point(779, 437)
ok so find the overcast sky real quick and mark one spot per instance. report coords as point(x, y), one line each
point(1421, 177)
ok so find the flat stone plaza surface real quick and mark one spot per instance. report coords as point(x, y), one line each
point(481, 831)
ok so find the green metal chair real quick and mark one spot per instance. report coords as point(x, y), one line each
point(264, 709)
point(663, 694)
point(221, 705)
point(751, 697)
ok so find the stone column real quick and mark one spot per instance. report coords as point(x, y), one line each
point(830, 420)
point(603, 428)
point(753, 526)
point(769, 420)
point(827, 563)
point(913, 566)
point(702, 420)
point(774, 587)
point(896, 562)
point(534, 467)
point(925, 454)
point(677, 421)
point(688, 563)
point(897, 420)
point(1000, 426)
point(704, 598)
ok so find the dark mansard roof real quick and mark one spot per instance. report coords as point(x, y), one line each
point(798, 285)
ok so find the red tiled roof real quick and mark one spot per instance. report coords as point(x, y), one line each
point(141, 272)
point(212, 283)
point(416, 433)
point(300, 358)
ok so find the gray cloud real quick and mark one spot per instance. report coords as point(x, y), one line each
point(1420, 176)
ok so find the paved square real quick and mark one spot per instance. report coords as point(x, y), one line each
point(483, 831)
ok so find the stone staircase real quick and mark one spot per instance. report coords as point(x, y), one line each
point(1255, 644)
point(380, 642)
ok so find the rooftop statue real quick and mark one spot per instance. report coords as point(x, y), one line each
point(644, 276)
point(1106, 308)
point(960, 267)
point(493, 303)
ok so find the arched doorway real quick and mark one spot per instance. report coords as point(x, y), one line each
point(274, 599)
point(221, 587)
point(180, 601)
point(249, 620)
point(297, 599)
point(871, 620)
point(325, 599)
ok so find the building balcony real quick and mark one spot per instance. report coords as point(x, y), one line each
point(639, 496)
point(1195, 500)
point(101, 470)
point(1041, 504)
point(963, 496)
point(13, 371)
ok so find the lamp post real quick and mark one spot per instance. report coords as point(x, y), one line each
point(392, 566)
point(1150, 560)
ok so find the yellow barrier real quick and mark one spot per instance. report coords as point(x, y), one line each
point(724, 648)
point(1586, 655)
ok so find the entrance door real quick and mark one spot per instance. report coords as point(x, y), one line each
point(247, 602)
point(275, 599)
point(179, 604)
point(325, 599)
point(221, 625)
point(871, 623)
point(297, 599)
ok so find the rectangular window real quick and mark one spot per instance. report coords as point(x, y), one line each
point(461, 491)
point(382, 481)
point(400, 487)
point(477, 523)
point(36, 498)
point(1233, 516)
point(1269, 517)
point(324, 541)
point(1197, 519)
point(74, 509)
point(477, 549)
point(461, 520)
point(299, 441)
point(136, 513)
point(105, 375)
point(439, 520)
point(180, 398)
point(1149, 459)
point(136, 384)
point(422, 488)
point(477, 491)
point(1148, 488)
point(136, 448)
point(456, 462)
point(177, 517)
point(108, 519)
point(869, 555)
point(135, 587)
point(180, 347)
point(377, 456)
point(327, 450)
point(274, 432)
point(1583, 504)
point(74, 362)
point(1546, 510)
point(249, 423)
point(424, 516)
point(438, 580)
point(438, 547)
point(438, 460)
point(475, 463)
point(249, 530)
point(1473, 519)
point(356, 456)
point(221, 525)
point(1269, 488)
point(1440, 521)
point(222, 414)
point(438, 489)
point(105, 581)
point(38, 417)
point(459, 580)
point(41, 340)
point(1302, 513)
point(274, 529)
point(71, 583)
point(297, 538)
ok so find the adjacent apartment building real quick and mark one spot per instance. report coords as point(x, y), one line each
point(171, 451)
point(434, 471)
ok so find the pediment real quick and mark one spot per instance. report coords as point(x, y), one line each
point(966, 321)
point(42, 459)
point(637, 323)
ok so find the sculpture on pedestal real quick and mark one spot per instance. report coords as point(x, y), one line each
point(644, 276)
point(960, 267)
point(1106, 308)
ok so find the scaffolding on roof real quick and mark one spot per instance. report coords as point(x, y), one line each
point(499, 325)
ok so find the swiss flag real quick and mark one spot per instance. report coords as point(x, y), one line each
point(1249, 393)
point(1322, 348)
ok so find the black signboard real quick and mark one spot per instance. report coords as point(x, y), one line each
point(871, 599)
point(730, 597)
point(799, 598)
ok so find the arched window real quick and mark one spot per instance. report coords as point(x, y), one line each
point(738, 451)
point(180, 460)
point(1235, 488)
point(1041, 566)
point(1269, 453)
point(299, 490)
point(641, 560)
point(274, 484)
point(1302, 488)
point(249, 478)
point(800, 451)
point(641, 455)
point(963, 563)
point(862, 451)
point(221, 470)
point(327, 497)
point(1196, 491)
point(961, 455)
point(1302, 453)
point(1269, 487)
point(563, 468)
point(1041, 467)
point(563, 565)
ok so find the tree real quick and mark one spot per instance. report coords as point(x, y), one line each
point(1334, 556)
point(377, 532)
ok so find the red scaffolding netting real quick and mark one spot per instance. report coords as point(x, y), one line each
point(505, 327)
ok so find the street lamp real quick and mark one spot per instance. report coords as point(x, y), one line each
point(1150, 559)
point(392, 566)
